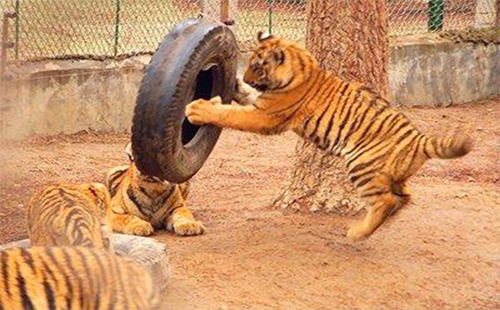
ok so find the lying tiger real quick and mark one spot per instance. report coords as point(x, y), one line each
point(380, 146)
point(142, 203)
point(71, 214)
point(63, 278)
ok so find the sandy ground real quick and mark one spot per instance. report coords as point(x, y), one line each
point(440, 252)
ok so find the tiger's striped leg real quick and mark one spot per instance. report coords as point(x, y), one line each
point(403, 195)
point(381, 208)
point(183, 223)
point(246, 118)
point(379, 191)
point(131, 225)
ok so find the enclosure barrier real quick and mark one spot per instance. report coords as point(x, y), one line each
point(59, 29)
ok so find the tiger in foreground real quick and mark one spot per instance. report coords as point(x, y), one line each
point(379, 145)
point(73, 278)
point(142, 203)
point(71, 214)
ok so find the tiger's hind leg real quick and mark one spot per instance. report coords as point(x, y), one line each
point(379, 211)
point(131, 225)
point(384, 198)
point(403, 195)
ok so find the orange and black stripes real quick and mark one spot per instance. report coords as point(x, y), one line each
point(114, 179)
point(72, 278)
point(141, 203)
point(380, 146)
point(67, 214)
point(154, 199)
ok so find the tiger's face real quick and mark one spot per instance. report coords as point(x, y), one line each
point(137, 174)
point(276, 64)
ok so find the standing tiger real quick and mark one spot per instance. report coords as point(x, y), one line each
point(380, 146)
point(73, 278)
point(68, 214)
point(142, 203)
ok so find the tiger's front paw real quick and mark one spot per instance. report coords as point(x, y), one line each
point(138, 227)
point(131, 225)
point(203, 111)
point(187, 227)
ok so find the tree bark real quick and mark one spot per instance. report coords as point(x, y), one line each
point(349, 38)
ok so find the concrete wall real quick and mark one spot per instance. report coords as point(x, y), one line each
point(441, 74)
point(70, 96)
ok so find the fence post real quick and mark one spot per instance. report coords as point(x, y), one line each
point(117, 27)
point(498, 14)
point(224, 10)
point(17, 28)
point(270, 15)
point(436, 15)
point(202, 6)
point(5, 44)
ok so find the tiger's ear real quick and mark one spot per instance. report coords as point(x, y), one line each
point(263, 36)
point(278, 55)
point(99, 190)
point(128, 151)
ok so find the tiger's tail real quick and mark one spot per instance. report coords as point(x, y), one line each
point(445, 148)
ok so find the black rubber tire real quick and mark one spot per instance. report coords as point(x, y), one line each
point(197, 59)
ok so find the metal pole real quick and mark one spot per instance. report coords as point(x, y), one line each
point(5, 44)
point(225, 13)
point(224, 10)
point(117, 27)
point(202, 6)
point(17, 24)
point(270, 20)
point(436, 15)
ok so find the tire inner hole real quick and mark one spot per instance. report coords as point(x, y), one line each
point(203, 89)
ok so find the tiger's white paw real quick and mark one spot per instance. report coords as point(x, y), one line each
point(187, 227)
point(203, 111)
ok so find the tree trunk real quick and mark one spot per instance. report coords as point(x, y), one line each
point(348, 37)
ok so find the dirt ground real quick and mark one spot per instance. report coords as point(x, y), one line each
point(440, 252)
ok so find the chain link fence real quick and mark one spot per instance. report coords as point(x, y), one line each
point(51, 29)
point(92, 28)
point(421, 16)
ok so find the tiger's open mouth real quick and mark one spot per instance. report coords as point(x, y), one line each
point(260, 87)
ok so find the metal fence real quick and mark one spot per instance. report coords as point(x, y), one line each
point(421, 16)
point(47, 29)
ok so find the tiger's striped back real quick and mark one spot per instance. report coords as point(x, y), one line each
point(73, 278)
point(67, 214)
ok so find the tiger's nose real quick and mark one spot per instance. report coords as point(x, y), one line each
point(246, 76)
point(249, 76)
